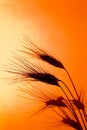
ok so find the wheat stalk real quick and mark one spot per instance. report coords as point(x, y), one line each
point(27, 71)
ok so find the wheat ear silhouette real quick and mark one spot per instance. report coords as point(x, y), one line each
point(26, 71)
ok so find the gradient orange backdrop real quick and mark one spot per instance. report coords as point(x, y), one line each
point(58, 26)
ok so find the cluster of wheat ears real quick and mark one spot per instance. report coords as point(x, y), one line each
point(72, 109)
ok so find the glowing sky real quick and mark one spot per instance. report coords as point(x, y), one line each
point(59, 26)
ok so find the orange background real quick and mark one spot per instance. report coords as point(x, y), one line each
point(58, 26)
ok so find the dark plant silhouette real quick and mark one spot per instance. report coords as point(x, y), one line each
point(72, 108)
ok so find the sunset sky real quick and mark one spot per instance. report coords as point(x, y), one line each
point(59, 26)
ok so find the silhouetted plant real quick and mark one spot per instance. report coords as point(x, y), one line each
point(72, 109)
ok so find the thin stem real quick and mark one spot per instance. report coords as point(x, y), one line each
point(72, 82)
point(71, 105)
point(74, 98)
point(67, 89)
point(75, 90)
point(85, 115)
